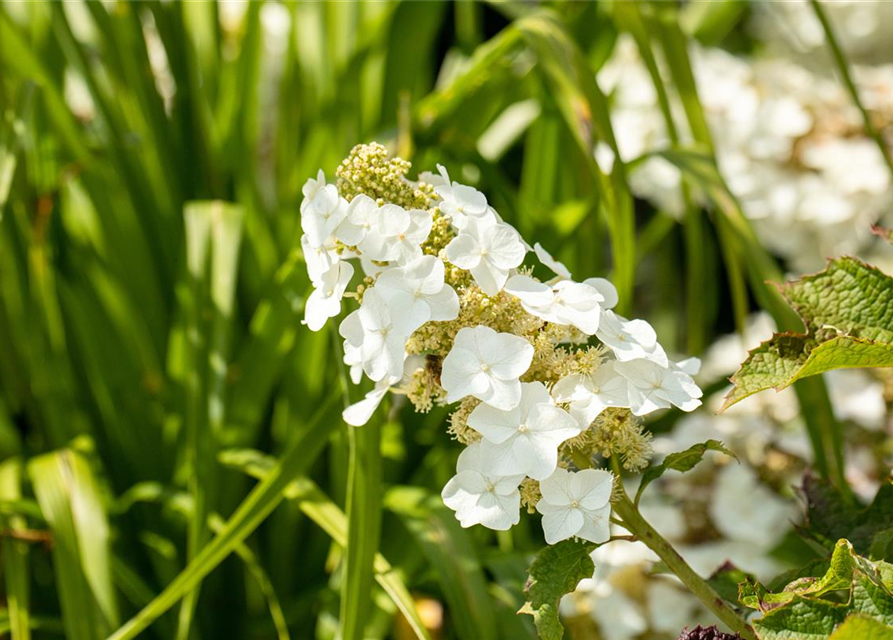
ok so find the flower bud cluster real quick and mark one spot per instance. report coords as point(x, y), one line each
point(449, 314)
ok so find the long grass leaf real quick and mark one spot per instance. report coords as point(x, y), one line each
point(319, 507)
point(69, 498)
point(253, 510)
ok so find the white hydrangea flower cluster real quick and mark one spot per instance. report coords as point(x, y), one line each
point(789, 142)
point(449, 314)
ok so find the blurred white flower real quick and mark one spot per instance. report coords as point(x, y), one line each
point(576, 504)
point(744, 509)
point(478, 496)
point(486, 364)
point(524, 440)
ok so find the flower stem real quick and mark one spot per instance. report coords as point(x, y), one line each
point(638, 526)
point(847, 78)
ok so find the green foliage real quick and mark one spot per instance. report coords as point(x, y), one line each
point(167, 422)
point(555, 571)
point(848, 313)
point(681, 461)
point(852, 595)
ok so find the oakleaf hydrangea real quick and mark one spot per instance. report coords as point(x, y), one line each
point(447, 307)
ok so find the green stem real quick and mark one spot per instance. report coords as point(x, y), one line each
point(843, 69)
point(639, 527)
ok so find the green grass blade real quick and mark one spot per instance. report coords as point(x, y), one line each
point(844, 70)
point(248, 557)
point(317, 506)
point(585, 111)
point(251, 512)
point(363, 527)
point(69, 498)
point(15, 554)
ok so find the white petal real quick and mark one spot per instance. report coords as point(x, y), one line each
point(504, 246)
point(489, 277)
point(351, 329)
point(551, 424)
point(496, 425)
point(555, 488)
point(461, 375)
point(691, 366)
point(392, 220)
point(562, 525)
point(360, 412)
point(572, 388)
point(464, 251)
point(507, 355)
point(530, 291)
point(606, 289)
point(592, 487)
point(502, 394)
point(444, 304)
point(547, 260)
point(596, 525)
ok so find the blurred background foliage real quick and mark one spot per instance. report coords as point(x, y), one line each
point(152, 363)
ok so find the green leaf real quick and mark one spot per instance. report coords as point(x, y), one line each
point(363, 527)
point(253, 510)
point(15, 554)
point(555, 571)
point(681, 461)
point(848, 313)
point(802, 619)
point(858, 627)
point(813, 607)
point(69, 497)
point(325, 513)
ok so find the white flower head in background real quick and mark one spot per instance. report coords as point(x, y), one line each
point(576, 504)
point(543, 373)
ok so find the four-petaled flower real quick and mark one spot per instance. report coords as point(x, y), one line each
point(566, 302)
point(486, 364)
point(479, 496)
point(321, 214)
point(488, 249)
point(630, 339)
point(380, 338)
point(576, 504)
point(417, 292)
point(459, 201)
point(590, 394)
point(524, 440)
point(384, 233)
